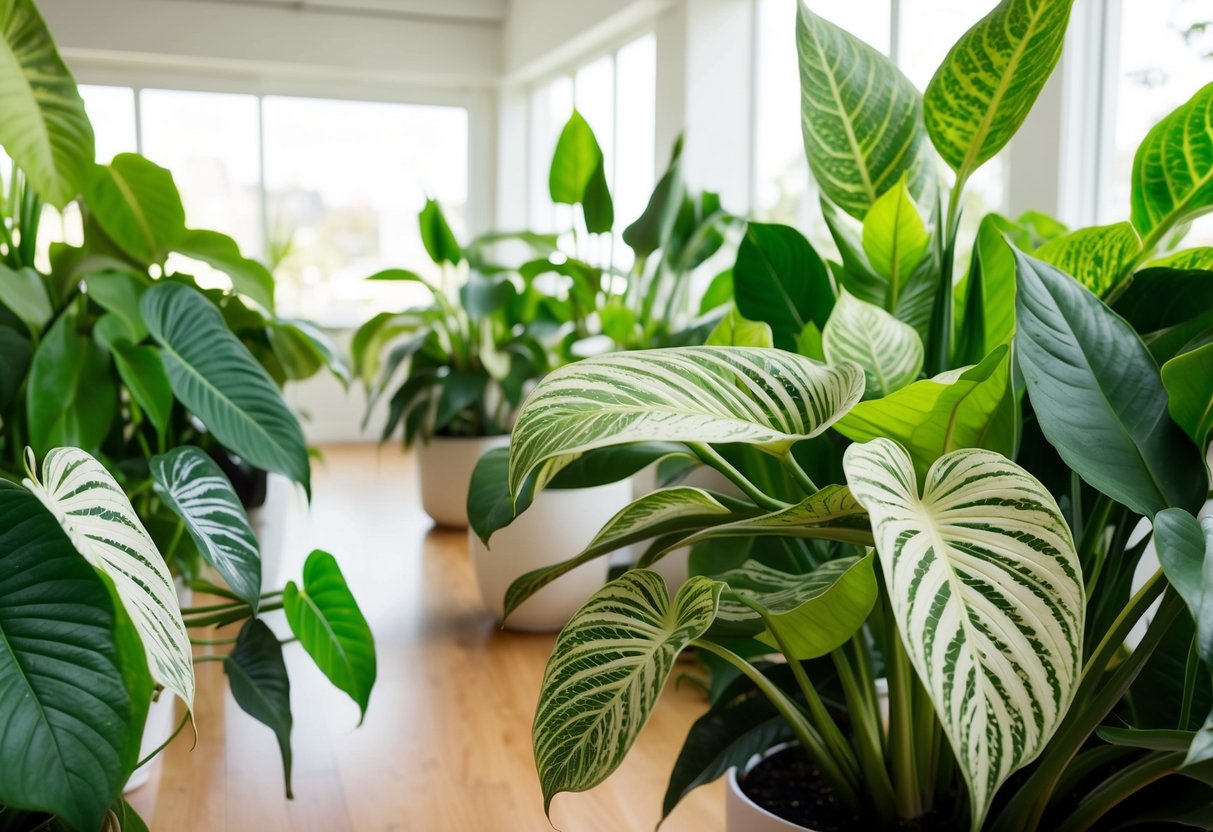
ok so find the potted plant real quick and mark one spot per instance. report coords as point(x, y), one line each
point(971, 544)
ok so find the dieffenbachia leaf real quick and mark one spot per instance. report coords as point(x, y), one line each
point(45, 129)
point(806, 615)
point(1098, 257)
point(1098, 397)
point(1188, 378)
point(261, 687)
point(965, 408)
point(606, 671)
point(1200, 258)
point(665, 511)
point(325, 617)
point(895, 239)
point(99, 520)
point(988, 597)
point(862, 118)
point(1173, 169)
point(889, 351)
point(196, 489)
point(217, 378)
point(988, 82)
point(766, 398)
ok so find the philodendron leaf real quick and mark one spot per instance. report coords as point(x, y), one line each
point(666, 511)
point(142, 371)
point(70, 394)
point(1098, 257)
point(74, 686)
point(988, 82)
point(221, 252)
point(330, 626)
point(217, 378)
point(24, 293)
point(1098, 397)
point(606, 671)
point(1188, 379)
point(895, 239)
point(260, 685)
point(193, 486)
point(1173, 169)
point(766, 398)
point(988, 598)
point(889, 351)
point(862, 118)
point(966, 408)
point(578, 174)
point(436, 235)
point(806, 616)
point(736, 331)
point(780, 280)
point(136, 203)
point(100, 522)
point(45, 128)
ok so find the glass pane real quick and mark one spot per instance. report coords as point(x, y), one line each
point(1165, 57)
point(209, 142)
point(345, 181)
point(636, 113)
point(112, 112)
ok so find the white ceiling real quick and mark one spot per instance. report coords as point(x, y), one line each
point(490, 11)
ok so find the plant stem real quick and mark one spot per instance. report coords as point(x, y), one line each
point(901, 718)
point(709, 455)
point(799, 474)
point(212, 642)
point(869, 736)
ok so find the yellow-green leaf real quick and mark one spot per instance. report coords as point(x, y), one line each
point(895, 238)
point(1173, 169)
point(1098, 257)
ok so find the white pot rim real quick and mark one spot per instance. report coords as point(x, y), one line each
point(488, 437)
point(734, 786)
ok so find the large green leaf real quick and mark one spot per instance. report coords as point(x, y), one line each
point(99, 520)
point(965, 408)
point(606, 671)
point(806, 615)
point(118, 292)
point(15, 355)
point(767, 398)
point(196, 490)
point(221, 252)
point(734, 330)
point(1188, 379)
point(779, 279)
point(1173, 169)
point(1098, 257)
point(990, 79)
point(1171, 309)
point(862, 118)
point(988, 316)
point(24, 293)
point(143, 373)
point(1188, 258)
point(988, 597)
point(578, 174)
point(895, 240)
point(70, 398)
point(260, 685)
point(661, 512)
point(889, 351)
point(436, 235)
point(45, 129)
point(652, 228)
point(74, 686)
point(215, 376)
point(137, 205)
point(325, 618)
point(1098, 397)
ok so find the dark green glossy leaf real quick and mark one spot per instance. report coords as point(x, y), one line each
point(221, 252)
point(260, 685)
point(136, 204)
point(436, 235)
point(70, 398)
point(15, 354)
point(779, 279)
point(650, 230)
point(142, 371)
point(1189, 382)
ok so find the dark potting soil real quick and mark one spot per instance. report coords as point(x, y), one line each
point(788, 785)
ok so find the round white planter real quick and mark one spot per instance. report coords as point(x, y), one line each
point(559, 524)
point(446, 464)
point(744, 815)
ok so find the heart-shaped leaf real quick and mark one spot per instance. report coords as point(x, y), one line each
point(987, 592)
point(260, 685)
point(767, 398)
point(136, 203)
point(70, 395)
point(895, 239)
point(330, 626)
point(193, 486)
point(99, 520)
point(889, 351)
point(779, 279)
point(606, 671)
point(1173, 169)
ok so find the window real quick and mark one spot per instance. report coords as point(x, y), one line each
point(112, 112)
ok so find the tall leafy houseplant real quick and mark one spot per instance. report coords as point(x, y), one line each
point(972, 544)
point(125, 380)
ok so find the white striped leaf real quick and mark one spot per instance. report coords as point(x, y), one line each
point(861, 117)
point(767, 398)
point(987, 592)
point(988, 82)
point(606, 671)
point(102, 525)
point(1098, 257)
point(1173, 169)
point(888, 350)
point(665, 511)
point(809, 615)
point(196, 489)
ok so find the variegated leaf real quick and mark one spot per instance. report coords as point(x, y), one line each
point(767, 398)
point(861, 117)
point(193, 486)
point(606, 671)
point(1199, 258)
point(809, 615)
point(1173, 169)
point(988, 597)
point(102, 525)
point(986, 85)
point(889, 351)
point(1098, 257)
point(665, 511)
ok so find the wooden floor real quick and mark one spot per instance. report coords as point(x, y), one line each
point(446, 742)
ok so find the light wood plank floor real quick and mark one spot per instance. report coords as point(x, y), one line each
point(446, 742)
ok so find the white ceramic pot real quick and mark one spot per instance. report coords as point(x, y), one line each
point(744, 815)
point(559, 524)
point(446, 464)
